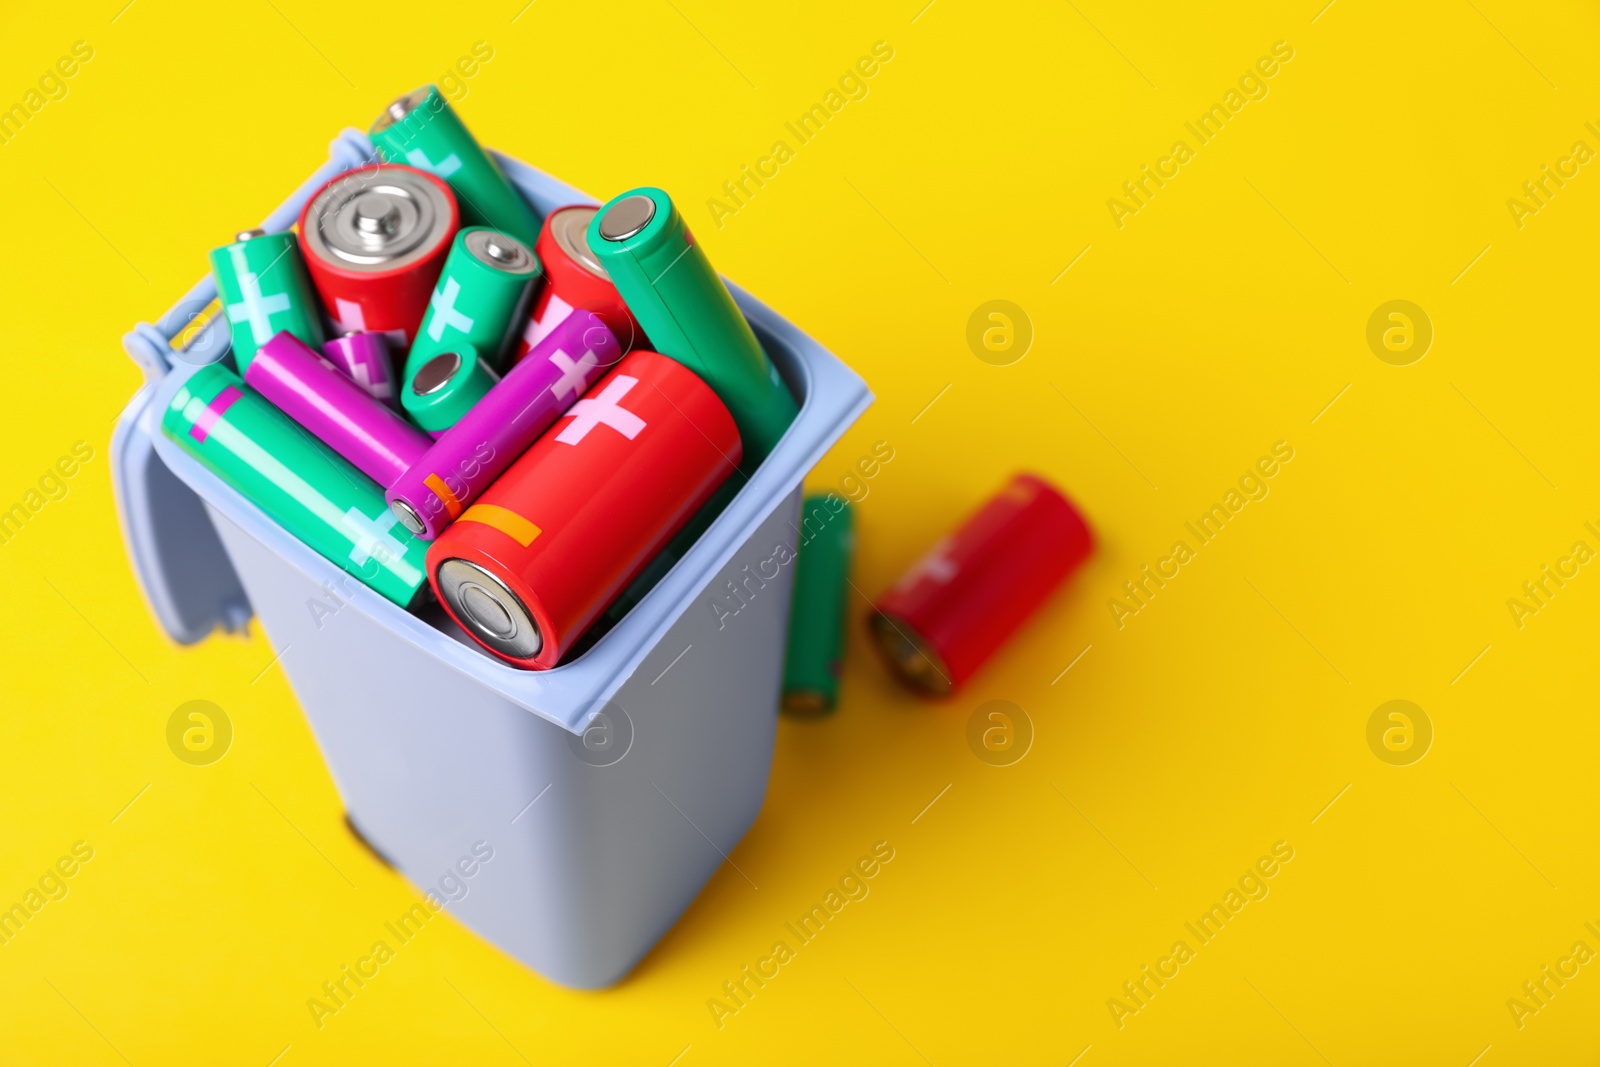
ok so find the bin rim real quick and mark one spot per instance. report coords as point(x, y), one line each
point(832, 397)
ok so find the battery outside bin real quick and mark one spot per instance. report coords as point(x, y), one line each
point(600, 840)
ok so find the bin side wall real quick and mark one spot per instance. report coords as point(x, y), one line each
point(592, 864)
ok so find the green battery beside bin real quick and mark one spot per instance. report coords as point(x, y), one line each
point(440, 389)
point(300, 483)
point(481, 298)
point(264, 289)
point(817, 614)
point(670, 286)
point(422, 130)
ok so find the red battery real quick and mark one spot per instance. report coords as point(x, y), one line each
point(374, 240)
point(574, 278)
point(547, 547)
point(976, 586)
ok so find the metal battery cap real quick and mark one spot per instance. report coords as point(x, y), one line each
point(408, 517)
point(805, 702)
point(376, 216)
point(627, 217)
point(571, 231)
point(500, 251)
point(436, 373)
point(377, 219)
point(399, 109)
point(912, 657)
point(493, 613)
point(249, 235)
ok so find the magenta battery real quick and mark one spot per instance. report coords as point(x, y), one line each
point(337, 411)
point(364, 359)
point(470, 455)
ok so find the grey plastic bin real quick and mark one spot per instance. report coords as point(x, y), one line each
point(601, 839)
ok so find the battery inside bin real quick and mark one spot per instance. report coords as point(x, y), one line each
point(662, 563)
point(431, 612)
point(654, 570)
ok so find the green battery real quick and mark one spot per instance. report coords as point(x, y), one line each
point(668, 283)
point(481, 299)
point(442, 388)
point(264, 289)
point(422, 130)
point(818, 611)
point(302, 484)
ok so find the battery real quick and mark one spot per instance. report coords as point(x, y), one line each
point(299, 483)
point(444, 387)
point(501, 426)
point(262, 284)
point(310, 390)
point(664, 276)
point(552, 542)
point(481, 298)
point(574, 278)
point(422, 129)
point(375, 240)
point(817, 612)
point(364, 359)
point(947, 615)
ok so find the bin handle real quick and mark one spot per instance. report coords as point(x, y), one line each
point(154, 347)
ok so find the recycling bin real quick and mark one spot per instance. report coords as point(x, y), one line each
point(610, 788)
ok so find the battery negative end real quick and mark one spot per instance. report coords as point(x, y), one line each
point(806, 703)
point(434, 374)
point(916, 663)
point(627, 217)
point(490, 610)
point(408, 517)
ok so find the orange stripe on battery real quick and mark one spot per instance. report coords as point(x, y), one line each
point(506, 521)
point(442, 491)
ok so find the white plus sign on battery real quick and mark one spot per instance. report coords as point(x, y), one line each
point(444, 168)
point(604, 410)
point(371, 535)
point(936, 565)
point(256, 308)
point(574, 376)
point(443, 305)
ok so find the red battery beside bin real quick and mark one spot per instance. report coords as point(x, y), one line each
point(529, 566)
point(970, 592)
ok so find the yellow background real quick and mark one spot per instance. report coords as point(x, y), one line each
point(1224, 717)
